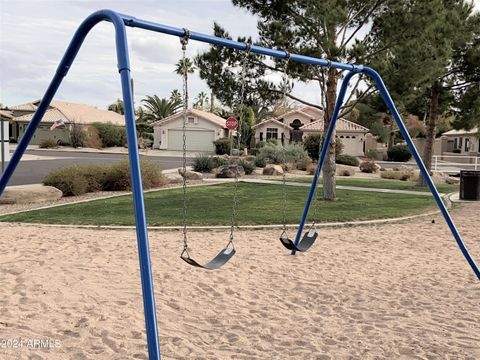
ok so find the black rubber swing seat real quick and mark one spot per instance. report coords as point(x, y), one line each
point(306, 243)
point(217, 262)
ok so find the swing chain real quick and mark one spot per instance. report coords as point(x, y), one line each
point(239, 132)
point(284, 154)
point(184, 42)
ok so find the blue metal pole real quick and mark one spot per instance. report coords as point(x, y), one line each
point(140, 219)
point(323, 154)
point(389, 102)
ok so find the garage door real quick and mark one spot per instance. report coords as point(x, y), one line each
point(197, 140)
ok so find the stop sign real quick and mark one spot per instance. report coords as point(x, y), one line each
point(232, 123)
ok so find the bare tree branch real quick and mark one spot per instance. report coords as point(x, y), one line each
point(348, 108)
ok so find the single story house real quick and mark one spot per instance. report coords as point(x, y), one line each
point(202, 129)
point(295, 125)
point(63, 115)
point(464, 142)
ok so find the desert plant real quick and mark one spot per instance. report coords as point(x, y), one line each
point(368, 167)
point(260, 162)
point(111, 135)
point(372, 154)
point(395, 175)
point(70, 180)
point(294, 152)
point(203, 163)
point(48, 144)
point(248, 166)
point(347, 160)
point(303, 163)
point(311, 168)
point(219, 161)
point(77, 135)
point(399, 153)
point(222, 146)
point(117, 176)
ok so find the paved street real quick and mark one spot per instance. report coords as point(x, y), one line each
point(33, 171)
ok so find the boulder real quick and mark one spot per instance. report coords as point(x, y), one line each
point(271, 169)
point(191, 175)
point(452, 180)
point(174, 178)
point(30, 194)
point(345, 170)
point(228, 171)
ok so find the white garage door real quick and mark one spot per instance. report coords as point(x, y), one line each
point(197, 140)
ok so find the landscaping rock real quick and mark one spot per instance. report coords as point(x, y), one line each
point(345, 170)
point(174, 178)
point(452, 180)
point(271, 169)
point(228, 171)
point(29, 194)
point(191, 175)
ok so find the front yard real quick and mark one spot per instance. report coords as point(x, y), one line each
point(259, 204)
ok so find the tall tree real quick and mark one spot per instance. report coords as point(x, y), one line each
point(183, 68)
point(158, 109)
point(201, 101)
point(325, 29)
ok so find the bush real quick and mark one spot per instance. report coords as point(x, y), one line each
point(70, 180)
point(260, 162)
point(302, 164)
point(203, 163)
point(111, 135)
point(92, 139)
point(219, 161)
point(272, 141)
point(222, 146)
point(276, 154)
point(294, 152)
point(78, 180)
point(347, 160)
point(77, 136)
point(395, 175)
point(260, 144)
point(312, 146)
point(117, 176)
point(48, 144)
point(248, 166)
point(372, 154)
point(399, 153)
point(368, 167)
point(311, 169)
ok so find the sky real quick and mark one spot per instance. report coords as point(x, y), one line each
point(35, 33)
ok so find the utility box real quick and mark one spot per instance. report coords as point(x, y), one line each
point(4, 145)
point(469, 185)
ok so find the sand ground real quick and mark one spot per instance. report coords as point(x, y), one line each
point(395, 291)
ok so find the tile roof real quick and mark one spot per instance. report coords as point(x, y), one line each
point(72, 112)
point(473, 131)
point(6, 114)
point(200, 113)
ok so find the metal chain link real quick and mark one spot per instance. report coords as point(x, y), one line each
point(239, 132)
point(284, 154)
point(184, 42)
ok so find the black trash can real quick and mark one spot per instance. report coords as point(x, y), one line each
point(469, 185)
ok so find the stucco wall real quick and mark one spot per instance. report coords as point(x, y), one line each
point(4, 146)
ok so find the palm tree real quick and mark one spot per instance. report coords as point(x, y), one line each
point(175, 96)
point(184, 67)
point(117, 107)
point(201, 100)
point(158, 109)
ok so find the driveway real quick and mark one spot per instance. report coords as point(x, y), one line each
point(40, 163)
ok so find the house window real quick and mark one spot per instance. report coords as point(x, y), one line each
point(272, 133)
point(261, 136)
point(191, 120)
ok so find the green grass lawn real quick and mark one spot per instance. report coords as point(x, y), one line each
point(380, 184)
point(211, 205)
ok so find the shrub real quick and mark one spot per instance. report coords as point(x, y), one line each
point(117, 176)
point(347, 160)
point(48, 144)
point(248, 166)
point(399, 153)
point(92, 140)
point(260, 144)
point(345, 172)
point(222, 146)
point(260, 162)
point(395, 175)
point(270, 154)
point(294, 152)
point(78, 180)
point(111, 135)
point(77, 135)
point(272, 141)
point(372, 154)
point(302, 164)
point(70, 180)
point(368, 167)
point(311, 169)
point(203, 163)
point(219, 161)
point(312, 146)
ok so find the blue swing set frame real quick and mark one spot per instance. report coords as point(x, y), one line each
point(120, 21)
